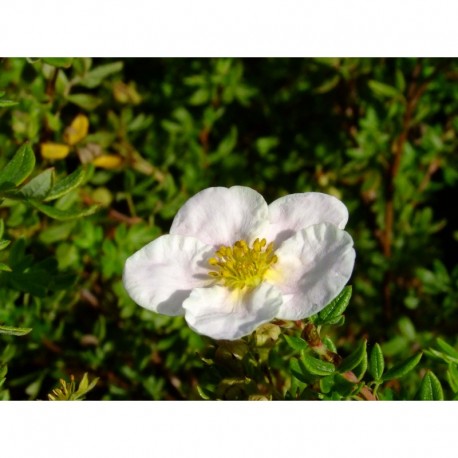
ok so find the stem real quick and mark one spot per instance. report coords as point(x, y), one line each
point(311, 335)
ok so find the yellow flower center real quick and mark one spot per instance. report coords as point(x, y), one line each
point(240, 266)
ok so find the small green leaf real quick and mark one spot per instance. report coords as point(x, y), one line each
point(352, 360)
point(7, 103)
point(14, 331)
point(2, 228)
point(452, 377)
point(361, 368)
point(329, 344)
point(383, 90)
point(18, 169)
point(447, 348)
point(327, 383)
point(64, 215)
point(317, 366)
point(88, 102)
point(431, 388)
point(67, 184)
point(97, 75)
point(4, 244)
point(299, 371)
point(296, 343)
point(335, 308)
point(204, 393)
point(64, 62)
point(39, 186)
point(403, 368)
point(4, 267)
point(376, 362)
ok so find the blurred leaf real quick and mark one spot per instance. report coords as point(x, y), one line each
point(54, 150)
point(351, 361)
point(452, 377)
point(4, 244)
point(67, 184)
point(39, 186)
point(18, 169)
point(383, 89)
point(95, 77)
point(328, 85)
point(7, 103)
point(4, 267)
point(14, 331)
point(403, 368)
point(77, 130)
point(64, 215)
point(85, 101)
point(64, 62)
point(444, 346)
point(431, 388)
point(376, 362)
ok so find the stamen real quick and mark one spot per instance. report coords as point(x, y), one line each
point(240, 266)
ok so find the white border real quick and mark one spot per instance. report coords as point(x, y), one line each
point(228, 429)
point(244, 28)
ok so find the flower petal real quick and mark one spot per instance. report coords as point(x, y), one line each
point(220, 313)
point(221, 216)
point(294, 212)
point(313, 267)
point(162, 274)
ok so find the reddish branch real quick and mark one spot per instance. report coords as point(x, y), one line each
point(414, 94)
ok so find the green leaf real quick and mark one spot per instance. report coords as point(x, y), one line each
point(4, 244)
point(97, 75)
point(317, 366)
point(7, 103)
point(67, 184)
point(383, 90)
point(361, 368)
point(14, 331)
point(18, 169)
point(2, 228)
point(447, 348)
point(296, 343)
point(299, 371)
point(64, 62)
point(4, 267)
point(39, 187)
point(403, 368)
point(436, 354)
point(376, 362)
point(452, 377)
point(335, 308)
point(88, 102)
point(352, 360)
point(64, 215)
point(327, 383)
point(431, 388)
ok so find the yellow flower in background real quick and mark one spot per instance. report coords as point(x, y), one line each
point(54, 151)
point(77, 130)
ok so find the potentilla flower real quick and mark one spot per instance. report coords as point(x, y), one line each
point(231, 262)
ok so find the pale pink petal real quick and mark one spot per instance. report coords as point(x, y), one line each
point(220, 313)
point(162, 274)
point(313, 267)
point(221, 216)
point(294, 212)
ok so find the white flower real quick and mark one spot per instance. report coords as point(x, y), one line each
point(232, 263)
